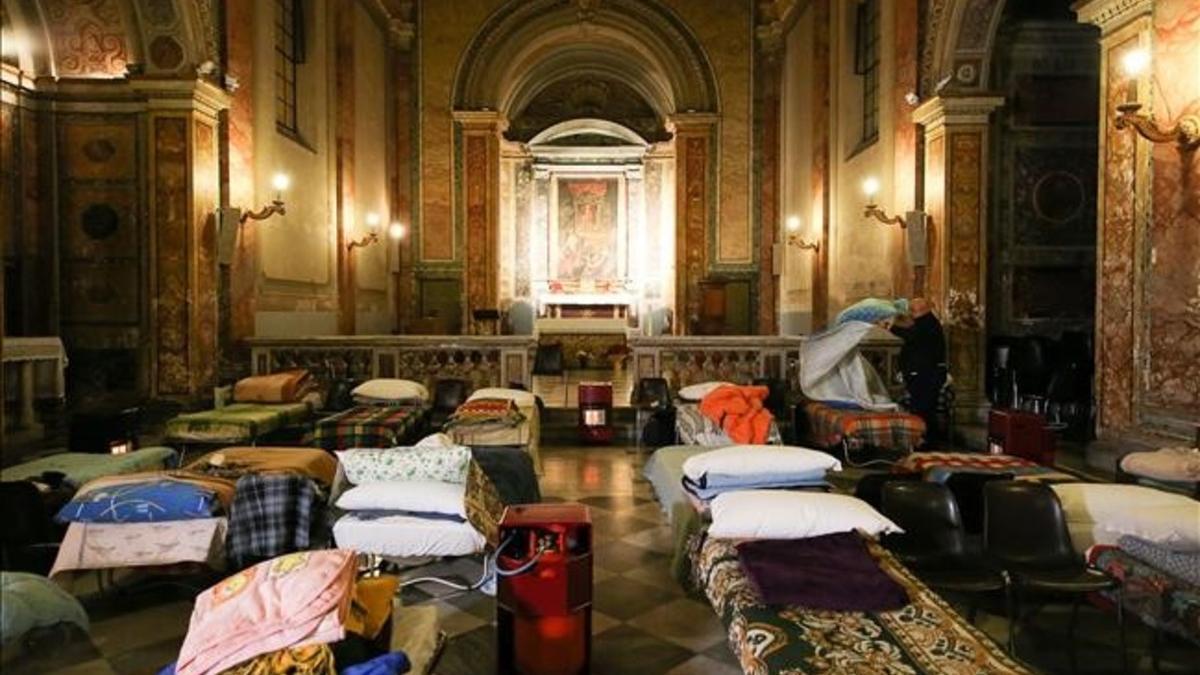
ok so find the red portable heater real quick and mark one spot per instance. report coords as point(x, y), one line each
point(595, 412)
point(544, 614)
point(1021, 434)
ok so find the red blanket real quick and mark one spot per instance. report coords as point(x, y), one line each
point(740, 413)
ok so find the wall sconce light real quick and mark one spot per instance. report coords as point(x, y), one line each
point(794, 237)
point(870, 188)
point(396, 231)
point(1185, 132)
point(281, 182)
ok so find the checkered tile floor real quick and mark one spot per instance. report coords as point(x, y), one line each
point(642, 622)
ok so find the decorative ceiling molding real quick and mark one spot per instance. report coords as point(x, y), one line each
point(528, 44)
point(1111, 15)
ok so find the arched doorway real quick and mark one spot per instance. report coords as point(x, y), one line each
point(552, 97)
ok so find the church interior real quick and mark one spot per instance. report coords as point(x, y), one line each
point(552, 337)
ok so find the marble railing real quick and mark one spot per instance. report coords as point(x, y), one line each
point(482, 360)
point(690, 359)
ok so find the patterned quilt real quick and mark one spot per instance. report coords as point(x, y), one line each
point(926, 636)
point(369, 427)
point(694, 428)
point(828, 427)
point(236, 423)
point(938, 466)
point(1159, 598)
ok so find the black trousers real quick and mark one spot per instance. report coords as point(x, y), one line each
point(924, 389)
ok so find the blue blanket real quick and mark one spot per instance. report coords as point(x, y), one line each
point(156, 501)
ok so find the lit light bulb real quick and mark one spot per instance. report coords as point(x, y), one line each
point(1135, 62)
point(396, 231)
point(281, 181)
point(870, 187)
point(793, 223)
point(372, 221)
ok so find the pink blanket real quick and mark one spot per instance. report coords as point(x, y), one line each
point(291, 601)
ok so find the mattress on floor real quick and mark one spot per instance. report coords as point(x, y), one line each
point(403, 536)
point(664, 471)
point(693, 428)
point(81, 467)
point(237, 422)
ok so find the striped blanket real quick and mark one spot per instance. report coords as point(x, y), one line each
point(369, 427)
point(938, 466)
point(828, 427)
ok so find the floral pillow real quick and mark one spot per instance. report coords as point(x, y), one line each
point(372, 465)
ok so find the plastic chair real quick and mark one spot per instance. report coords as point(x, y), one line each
point(447, 396)
point(1025, 535)
point(548, 360)
point(934, 541)
point(29, 538)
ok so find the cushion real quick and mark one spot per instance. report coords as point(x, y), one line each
point(284, 387)
point(412, 496)
point(145, 502)
point(390, 390)
point(697, 392)
point(1169, 464)
point(373, 465)
point(1185, 566)
point(1107, 511)
point(523, 399)
point(759, 460)
point(781, 514)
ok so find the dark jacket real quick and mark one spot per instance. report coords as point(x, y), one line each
point(924, 347)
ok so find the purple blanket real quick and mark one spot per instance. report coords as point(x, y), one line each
point(830, 572)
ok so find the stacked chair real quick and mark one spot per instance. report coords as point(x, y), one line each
point(1025, 552)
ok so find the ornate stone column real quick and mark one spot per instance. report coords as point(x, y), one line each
point(956, 148)
point(768, 83)
point(695, 135)
point(402, 186)
point(477, 204)
point(183, 178)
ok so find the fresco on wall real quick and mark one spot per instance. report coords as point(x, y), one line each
point(588, 224)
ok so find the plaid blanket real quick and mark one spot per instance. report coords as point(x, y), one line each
point(368, 427)
point(480, 412)
point(938, 466)
point(828, 427)
point(236, 423)
point(272, 514)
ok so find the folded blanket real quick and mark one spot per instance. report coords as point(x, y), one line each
point(829, 572)
point(222, 487)
point(145, 502)
point(233, 463)
point(293, 601)
point(768, 482)
point(486, 411)
point(740, 412)
point(285, 387)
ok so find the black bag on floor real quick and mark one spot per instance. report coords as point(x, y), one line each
point(660, 428)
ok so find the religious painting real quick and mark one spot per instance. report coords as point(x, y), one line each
point(588, 233)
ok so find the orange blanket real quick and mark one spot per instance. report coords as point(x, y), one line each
point(283, 387)
point(739, 412)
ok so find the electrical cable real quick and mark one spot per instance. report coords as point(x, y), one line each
point(491, 565)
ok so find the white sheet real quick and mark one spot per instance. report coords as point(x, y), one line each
point(407, 536)
point(832, 369)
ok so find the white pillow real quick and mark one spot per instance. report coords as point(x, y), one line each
point(522, 398)
point(385, 389)
point(782, 514)
point(757, 460)
point(1107, 511)
point(697, 392)
point(421, 496)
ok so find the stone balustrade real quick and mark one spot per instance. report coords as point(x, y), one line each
point(482, 360)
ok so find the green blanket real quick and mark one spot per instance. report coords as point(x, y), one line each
point(236, 423)
point(81, 467)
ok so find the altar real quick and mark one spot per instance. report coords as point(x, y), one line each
point(585, 305)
